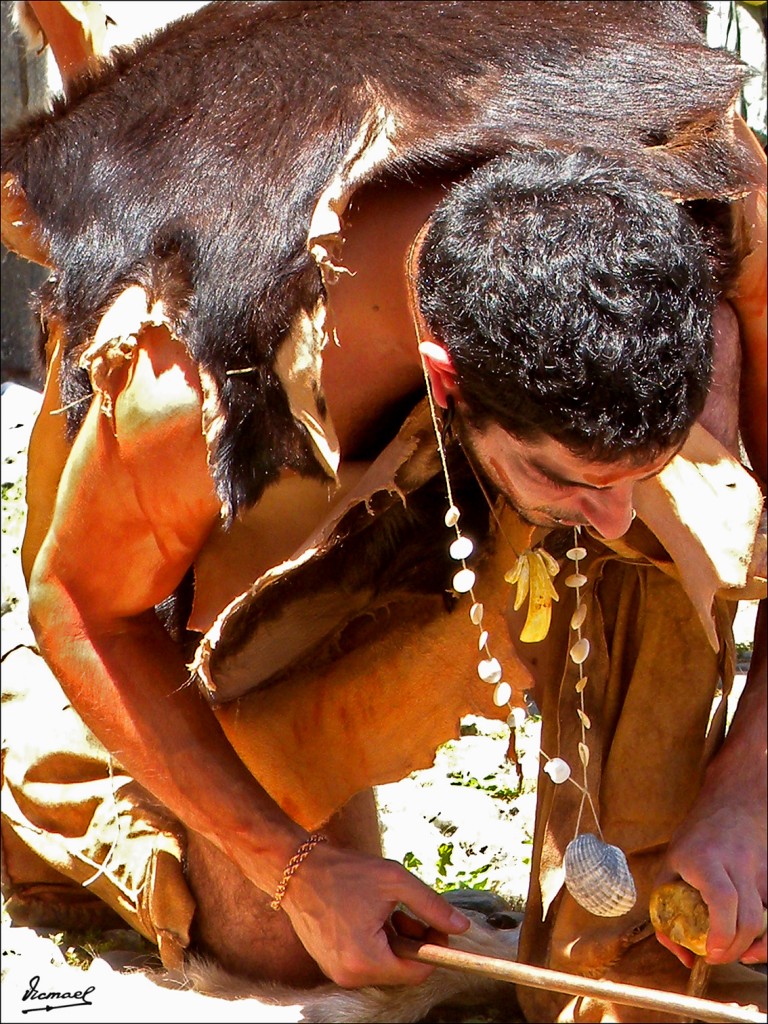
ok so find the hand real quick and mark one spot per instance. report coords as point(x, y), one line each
point(720, 850)
point(340, 903)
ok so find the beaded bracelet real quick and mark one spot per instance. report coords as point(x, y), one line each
point(294, 864)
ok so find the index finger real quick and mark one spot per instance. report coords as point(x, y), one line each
point(722, 899)
point(433, 909)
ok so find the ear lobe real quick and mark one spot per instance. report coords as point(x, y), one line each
point(442, 372)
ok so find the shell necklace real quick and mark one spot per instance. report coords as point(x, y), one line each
point(596, 873)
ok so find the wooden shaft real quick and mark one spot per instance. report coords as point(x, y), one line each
point(540, 977)
point(697, 984)
point(698, 981)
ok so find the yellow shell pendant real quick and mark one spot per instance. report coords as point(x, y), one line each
point(533, 574)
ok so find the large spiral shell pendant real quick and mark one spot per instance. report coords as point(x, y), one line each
point(598, 877)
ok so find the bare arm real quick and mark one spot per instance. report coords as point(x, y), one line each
point(134, 506)
point(750, 301)
point(127, 524)
point(721, 847)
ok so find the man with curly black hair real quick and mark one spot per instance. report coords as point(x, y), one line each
point(249, 486)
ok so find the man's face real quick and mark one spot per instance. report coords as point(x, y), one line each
point(550, 486)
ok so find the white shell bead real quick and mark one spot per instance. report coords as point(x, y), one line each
point(463, 581)
point(502, 694)
point(517, 718)
point(489, 670)
point(580, 651)
point(576, 553)
point(598, 877)
point(482, 639)
point(461, 548)
point(476, 613)
point(577, 619)
point(558, 770)
point(452, 516)
point(578, 579)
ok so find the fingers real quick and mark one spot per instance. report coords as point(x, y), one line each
point(409, 927)
point(722, 899)
point(726, 944)
point(372, 963)
point(340, 906)
point(431, 908)
point(429, 912)
point(757, 952)
point(376, 964)
point(408, 972)
point(736, 915)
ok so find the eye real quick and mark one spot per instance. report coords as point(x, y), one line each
point(556, 485)
point(553, 485)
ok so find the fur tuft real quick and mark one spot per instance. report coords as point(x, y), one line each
point(329, 1004)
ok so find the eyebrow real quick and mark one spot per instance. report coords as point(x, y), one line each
point(564, 481)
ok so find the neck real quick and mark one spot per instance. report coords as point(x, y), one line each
point(373, 372)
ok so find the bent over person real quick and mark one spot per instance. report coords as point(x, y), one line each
point(336, 289)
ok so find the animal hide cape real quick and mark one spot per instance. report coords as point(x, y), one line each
point(211, 164)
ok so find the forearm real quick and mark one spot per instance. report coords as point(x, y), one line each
point(738, 772)
point(129, 683)
point(132, 689)
point(720, 847)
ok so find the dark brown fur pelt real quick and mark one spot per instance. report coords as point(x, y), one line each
point(191, 162)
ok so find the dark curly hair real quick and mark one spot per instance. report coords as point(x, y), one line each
point(575, 300)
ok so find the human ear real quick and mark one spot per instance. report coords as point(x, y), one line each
point(442, 372)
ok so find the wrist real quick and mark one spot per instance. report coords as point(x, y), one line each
point(294, 864)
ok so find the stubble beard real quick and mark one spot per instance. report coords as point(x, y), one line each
point(540, 517)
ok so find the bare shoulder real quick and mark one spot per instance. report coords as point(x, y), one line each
point(374, 363)
point(721, 411)
point(750, 299)
point(135, 501)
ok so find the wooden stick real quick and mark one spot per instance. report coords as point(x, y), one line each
point(697, 984)
point(698, 981)
point(540, 977)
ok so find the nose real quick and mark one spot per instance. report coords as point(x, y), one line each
point(609, 511)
